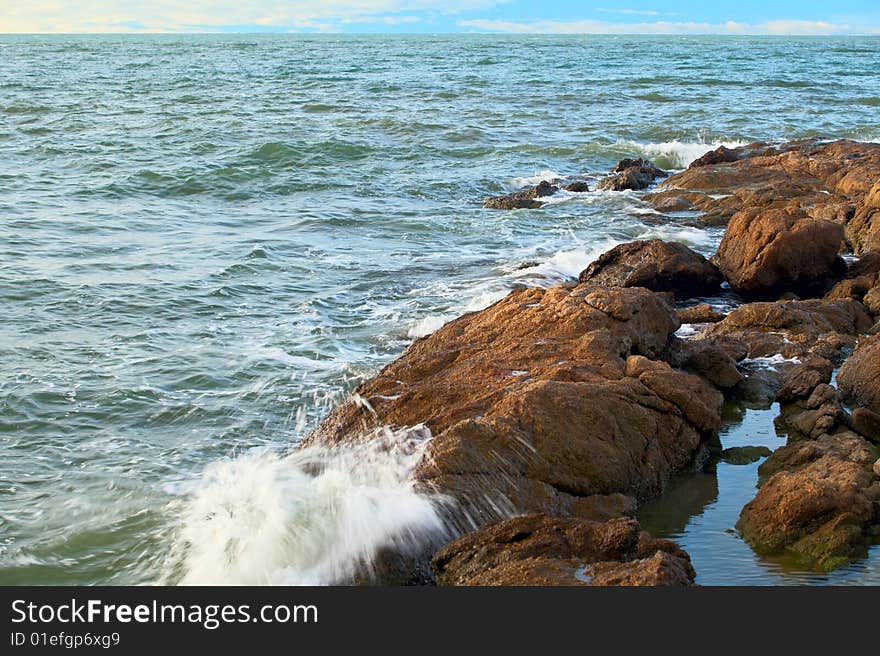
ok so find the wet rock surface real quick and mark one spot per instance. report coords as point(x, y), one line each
point(765, 252)
point(565, 408)
point(544, 550)
point(526, 199)
point(656, 265)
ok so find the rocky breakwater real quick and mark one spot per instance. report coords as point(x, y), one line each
point(553, 401)
point(791, 211)
point(555, 412)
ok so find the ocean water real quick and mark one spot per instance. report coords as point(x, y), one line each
point(207, 241)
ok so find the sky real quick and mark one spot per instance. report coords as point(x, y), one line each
point(788, 17)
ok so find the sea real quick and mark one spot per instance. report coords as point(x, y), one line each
point(207, 241)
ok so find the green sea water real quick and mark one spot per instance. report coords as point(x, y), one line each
point(206, 241)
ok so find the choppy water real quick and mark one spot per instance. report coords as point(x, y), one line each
point(205, 241)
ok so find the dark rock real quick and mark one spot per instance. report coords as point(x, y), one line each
point(632, 174)
point(706, 358)
point(866, 423)
point(720, 155)
point(656, 265)
point(800, 382)
point(577, 187)
point(527, 199)
point(744, 455)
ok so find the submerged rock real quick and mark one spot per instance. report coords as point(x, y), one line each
point(765, 252)
point(744, 455)
point(656, 265)
point(526, 199)
point(544, 550)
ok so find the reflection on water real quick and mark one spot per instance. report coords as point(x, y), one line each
point(700, 511)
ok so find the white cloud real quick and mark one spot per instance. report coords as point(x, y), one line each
point(779, 27)
point(642, 12)
point(205, 15)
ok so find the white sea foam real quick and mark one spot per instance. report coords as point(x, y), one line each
point(531, 181)
point(317, 516)
point(769, 362)
point(433, 322)
point(676, 154)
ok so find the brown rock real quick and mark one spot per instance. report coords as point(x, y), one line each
point(702, 313)
point(821, 507)
point(872, 301)
point(707, 358)
point(866, 423)
point(656, 265)
point(577, 187)
point(766, 251)
point(796, 328)
point(800, 382)
point(527, 199)
point(534, 405)
point(836, 181)
point(816, 415)
point(859, 377)
point(545, 550)
point(661, 569)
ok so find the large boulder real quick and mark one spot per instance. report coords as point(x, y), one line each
point(765, 252)
point(540, 402)
point(859, 377)
point(656, 265)
point(544, 550)
point(819, 502)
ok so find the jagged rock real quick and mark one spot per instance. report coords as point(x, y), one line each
point(656, 265)
point(578, 187)
point(545, 550)
point(866, 423)
point(707, 358)
point(795, 329)
point(543, 399)
point(800, 382)
point(526, 199)
point(720, 155)
point(632, 174)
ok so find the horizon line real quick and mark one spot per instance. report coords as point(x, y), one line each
point(279, 32)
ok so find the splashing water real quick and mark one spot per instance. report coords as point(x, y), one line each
point(317, 516)
point(677, 154)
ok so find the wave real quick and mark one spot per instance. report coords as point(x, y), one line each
point(676, 154)
point(318, 516)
